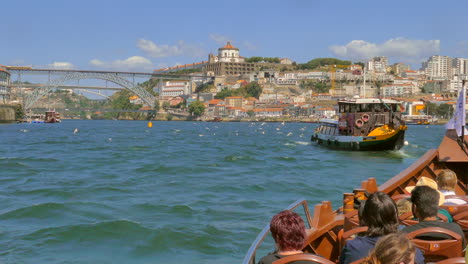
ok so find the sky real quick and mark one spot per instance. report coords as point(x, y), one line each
point(143, 35)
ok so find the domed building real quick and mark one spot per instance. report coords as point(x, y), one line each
point(228, 53)
point(228, 62)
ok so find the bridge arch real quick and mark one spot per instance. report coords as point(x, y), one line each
point(71, 76)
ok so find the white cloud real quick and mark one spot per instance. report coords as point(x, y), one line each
point(62, 65)
point(159, 51)
point(249, 45)
point(400, 49)
point(220, 39)
point(134, 63)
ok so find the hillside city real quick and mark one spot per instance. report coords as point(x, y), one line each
point(257, 87)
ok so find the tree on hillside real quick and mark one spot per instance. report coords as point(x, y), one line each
point(225, 92)
point(204, 87)
point(121, 101)
point(166, 105)
point(321, 88)
point(196, 108)
point(253, 89)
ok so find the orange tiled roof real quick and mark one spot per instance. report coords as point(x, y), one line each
point(215, 101)
point(229, 46)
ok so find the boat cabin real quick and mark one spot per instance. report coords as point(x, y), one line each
point(357, 117)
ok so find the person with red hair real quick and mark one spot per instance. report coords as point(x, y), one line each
point(288, 230)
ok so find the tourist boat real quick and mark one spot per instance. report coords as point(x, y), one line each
point(52, 117)
point(329, 229)
point(363, 124)
point(419, 119)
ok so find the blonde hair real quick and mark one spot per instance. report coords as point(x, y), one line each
point(447, 180)
point(391, 249)
point(404, 206)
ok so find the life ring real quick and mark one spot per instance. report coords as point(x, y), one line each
point(359, 123)
point(365, 118)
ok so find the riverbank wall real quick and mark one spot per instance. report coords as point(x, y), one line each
point(7, 113)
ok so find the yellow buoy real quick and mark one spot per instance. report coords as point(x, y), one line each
point(150, 124)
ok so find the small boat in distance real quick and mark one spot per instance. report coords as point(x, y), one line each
point(419, 119)
point(52, 117)
point(363, 124)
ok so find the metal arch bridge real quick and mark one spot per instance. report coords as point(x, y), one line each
point(75, 75)
point(112, 76)
point(91, 92)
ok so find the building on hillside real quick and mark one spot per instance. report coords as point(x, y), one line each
point(438, 67)
point(399, 68)
point(459, 66)
point(325, 112)
point(377, 64)
point(205, 97)
point(169, 89)
point(268, 112)
point(404, 89)
point(233, 101)
point(135, 100)
point(229, 62)
point(228, 53)
point(176, 100)
point(312, 75)
point(216, 108)
point(401, 80)
point(5, 90)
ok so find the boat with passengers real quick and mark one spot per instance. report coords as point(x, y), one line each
point(328, 230)
point(363, 124)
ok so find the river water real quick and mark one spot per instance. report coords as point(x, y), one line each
point(179, 192)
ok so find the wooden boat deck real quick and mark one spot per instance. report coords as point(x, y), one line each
point(328, 226)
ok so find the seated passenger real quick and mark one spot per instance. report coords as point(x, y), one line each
point(425, 206)
point(447, 181)
point(380, 215)
point(392, 249)
point(425, 181)
point(404, 206)
point(288, 230)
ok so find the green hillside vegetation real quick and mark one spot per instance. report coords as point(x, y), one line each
point(319, 62)
point(252, 89)
point(263, 59)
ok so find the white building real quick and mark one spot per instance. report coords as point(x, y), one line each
point(378, 64)
point(170, 89)
point(438, 67)
point(228, 53)
point(403, 89)
point(459, 66)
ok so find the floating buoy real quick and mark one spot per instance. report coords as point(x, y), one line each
point(150, 124)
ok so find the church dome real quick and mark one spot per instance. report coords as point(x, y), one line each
point(228, 47)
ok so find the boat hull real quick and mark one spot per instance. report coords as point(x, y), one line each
point(393, 142)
